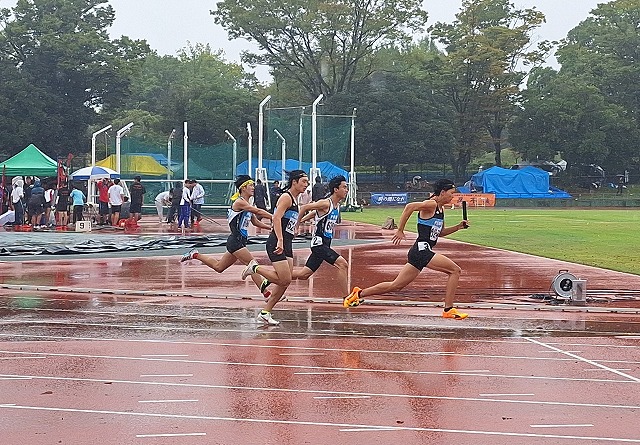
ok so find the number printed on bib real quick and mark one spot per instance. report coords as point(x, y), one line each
point(423, 245)
point(316, 241)
point(291, 225)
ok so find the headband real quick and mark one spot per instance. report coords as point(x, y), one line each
point(236, 195)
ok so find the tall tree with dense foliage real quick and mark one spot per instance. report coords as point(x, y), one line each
point(588, 111)
point(487, 51)
point(326, 46)
point(60, 69)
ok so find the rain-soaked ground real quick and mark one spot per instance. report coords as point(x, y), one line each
point(136, 348)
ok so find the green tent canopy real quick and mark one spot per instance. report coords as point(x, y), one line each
point(30, 162)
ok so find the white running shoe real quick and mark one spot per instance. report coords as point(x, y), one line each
point(189, 255)
point(249, 269)
point(267, 319)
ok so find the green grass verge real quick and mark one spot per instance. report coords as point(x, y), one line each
point(603, 238)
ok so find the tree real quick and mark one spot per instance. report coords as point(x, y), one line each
point(62, 69)
point(198, 86)
point(326, 46)
point(588, 111)
point(486, 49)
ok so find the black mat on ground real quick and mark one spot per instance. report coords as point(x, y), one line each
point(61, 244)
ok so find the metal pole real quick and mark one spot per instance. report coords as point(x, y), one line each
point(284, 153)
point(169, 147)
point(249, 150)
point(261, 129)
point(235, 153)
point(300, 140)
point(314, 143)
point(352, 174)
point(93, 143)
point(185, 142)
point(119, 135)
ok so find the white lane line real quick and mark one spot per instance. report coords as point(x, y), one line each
point(341, 397)
point(301, 348)
point(302, 354)
point(318, 373)
point(373, 428)
point(615, 369)
point(471, 371)
point(591, 362)
point(15, 378)
point(329, 368)
point(326, 392)
point(577, 425)
point(507, 395)
point(369, 430)
point(168, 401)
point(632, 337)
point(142, 436)
point(164, 355)
point(21, 358)
point(166, 375)
point(546, 351)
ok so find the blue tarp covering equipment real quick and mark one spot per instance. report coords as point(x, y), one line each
point(529, 182)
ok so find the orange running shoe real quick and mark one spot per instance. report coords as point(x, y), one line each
point(353, 299)
point(453, 313)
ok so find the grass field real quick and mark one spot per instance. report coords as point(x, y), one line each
point(604, 238)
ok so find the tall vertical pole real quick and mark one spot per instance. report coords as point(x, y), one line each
point(284, 153)
point(300, 140)
point(92, 185)
point(235, 153)
point(119, 135)
point(261, 130)
point(169, 146)
point(249, 150)
point(185, 142)
point(352, 199)
point(93, 143)
point(314, 143)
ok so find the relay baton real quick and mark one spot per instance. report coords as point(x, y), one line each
point(464, 214)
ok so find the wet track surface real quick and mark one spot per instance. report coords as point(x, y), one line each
point(170, 354)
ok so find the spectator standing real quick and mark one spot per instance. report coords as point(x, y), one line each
point(275, 191)
point(162, 199)
point(125, 209)
point(116, 198)
point(78, 200)
point(185, 205)
point(62, 205)
point(137, 192)
point(176, 196)
point(260, 196)
point(103, 200)
point(36, 204)
point(319, 190)
point(17, 195)
point(49, 201)
point(197, 196)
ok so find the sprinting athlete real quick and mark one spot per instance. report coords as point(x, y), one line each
point(280, 244)
point(430, 227)
point(240, 215)
point(326, 213)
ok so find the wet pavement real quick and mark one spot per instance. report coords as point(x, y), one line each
point(137, 348)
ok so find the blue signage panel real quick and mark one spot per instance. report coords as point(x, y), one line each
point(386, 199)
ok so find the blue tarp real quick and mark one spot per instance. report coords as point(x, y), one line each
point(274, 168)
point(529, 182)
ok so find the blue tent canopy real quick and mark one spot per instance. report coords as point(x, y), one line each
point(274, 168)
point(529, 182)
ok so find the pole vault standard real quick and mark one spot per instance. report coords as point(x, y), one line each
point(185, 143)
point(92, 185)
point(315, 171)
point(121, 132)
point(249, 149)
point(169, 146)
point(261, 173)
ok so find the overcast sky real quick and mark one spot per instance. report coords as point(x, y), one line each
point(168, 25)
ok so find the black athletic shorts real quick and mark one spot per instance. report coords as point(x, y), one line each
point(116, 209)
point(272, 242)
point(236, 242)
point(320, 254)
point(103, 208)
point(136, 207)
point(420, 255)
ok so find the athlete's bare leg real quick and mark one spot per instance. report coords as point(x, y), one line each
point(441, 263)
point(406, 276)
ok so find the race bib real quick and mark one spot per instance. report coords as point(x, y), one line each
point(316, 241)
point(423, 245)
